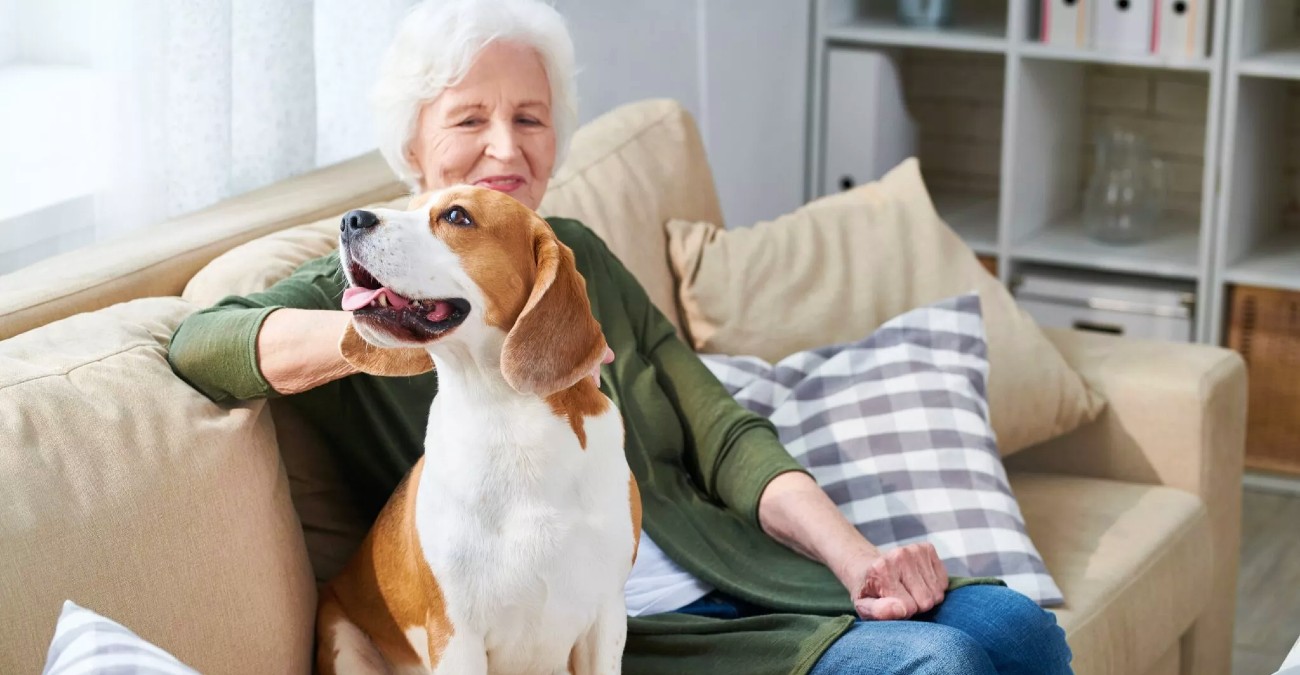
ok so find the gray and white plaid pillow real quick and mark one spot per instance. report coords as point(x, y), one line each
point(85, 642)
point(895, 428)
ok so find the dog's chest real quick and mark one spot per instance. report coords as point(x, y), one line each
point(525, 530)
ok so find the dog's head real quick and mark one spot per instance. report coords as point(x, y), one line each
point(467, 266)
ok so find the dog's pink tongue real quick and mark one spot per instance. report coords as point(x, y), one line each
point(356, 298)
point(441, 310)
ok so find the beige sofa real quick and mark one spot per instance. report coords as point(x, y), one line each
point(128, 492)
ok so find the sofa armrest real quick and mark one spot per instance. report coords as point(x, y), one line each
point(1175, 416)
point(159, 260)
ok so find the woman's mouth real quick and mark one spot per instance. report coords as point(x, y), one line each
point(505, 184)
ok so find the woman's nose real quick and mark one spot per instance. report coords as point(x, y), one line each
point(502, 142)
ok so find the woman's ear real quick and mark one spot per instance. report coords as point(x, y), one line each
point(380, 361)
point(556, 341)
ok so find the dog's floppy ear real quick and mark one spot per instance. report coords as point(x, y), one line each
point(380, 361)
point(555, 341)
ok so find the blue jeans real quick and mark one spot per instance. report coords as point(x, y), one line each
point(978, 630)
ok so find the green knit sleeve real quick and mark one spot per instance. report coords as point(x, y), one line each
point(215, 349)
point(734, 453)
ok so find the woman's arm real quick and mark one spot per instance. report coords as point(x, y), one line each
point(298, 349)
point(281, 341)
point(795, 511)
point(741, 463)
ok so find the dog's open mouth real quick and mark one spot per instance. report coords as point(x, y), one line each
point(402, 317)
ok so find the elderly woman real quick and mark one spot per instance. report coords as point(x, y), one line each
point(745, 565)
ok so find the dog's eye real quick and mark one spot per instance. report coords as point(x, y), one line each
point(457, 216)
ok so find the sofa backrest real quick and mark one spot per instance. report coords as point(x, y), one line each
point(159, 260)
point(628, 172)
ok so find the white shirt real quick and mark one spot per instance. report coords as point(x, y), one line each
point(657, 584)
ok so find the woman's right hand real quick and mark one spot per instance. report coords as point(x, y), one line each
point(298, 349)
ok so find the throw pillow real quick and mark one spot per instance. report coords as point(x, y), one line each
point(85, 642)
point(258, 264)
point(837, 268)
point(895, 429)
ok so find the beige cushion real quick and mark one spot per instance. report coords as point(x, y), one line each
point(630, 171)
point(1133, 562)
point(133, 495)
point(836, 269)
point(259, 264)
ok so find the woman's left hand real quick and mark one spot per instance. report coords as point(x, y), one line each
point(884, 586)
point(897, 584)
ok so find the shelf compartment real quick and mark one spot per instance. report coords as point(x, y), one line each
point(1273, 263)
point(1058, 109)
point(941, 107)
point(977, 26)
point(1261, 210)
point(1269, 38)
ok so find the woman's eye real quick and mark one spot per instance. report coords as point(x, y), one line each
point(529, 121)
point(469, 122)
point(457, 216)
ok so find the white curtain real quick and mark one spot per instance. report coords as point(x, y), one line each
point(205, 99)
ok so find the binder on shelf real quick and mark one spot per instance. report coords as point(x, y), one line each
point(1066, 23)
point(868, 128)
point(1123, 26)
point(1181, 28)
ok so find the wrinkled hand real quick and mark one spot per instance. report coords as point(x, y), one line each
point(898, 584)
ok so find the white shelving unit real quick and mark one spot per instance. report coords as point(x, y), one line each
point(1257, 238)
point(1032, 217)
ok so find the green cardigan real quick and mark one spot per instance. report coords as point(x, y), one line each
point(700, 459)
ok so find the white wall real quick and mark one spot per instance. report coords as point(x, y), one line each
point(739, 66)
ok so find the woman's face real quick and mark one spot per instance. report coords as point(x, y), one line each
point(492, 129)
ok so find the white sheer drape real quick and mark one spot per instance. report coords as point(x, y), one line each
point(206, 98)
point(228, 96)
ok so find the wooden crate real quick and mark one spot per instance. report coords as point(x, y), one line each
point(1264, 326)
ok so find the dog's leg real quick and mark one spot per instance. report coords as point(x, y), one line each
point(341, 647)
point(463, 654)
point(600, 650)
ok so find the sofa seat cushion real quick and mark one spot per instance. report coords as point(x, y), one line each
point(133, 495)
point(1133, 562)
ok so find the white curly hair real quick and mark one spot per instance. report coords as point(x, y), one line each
point(434, 48)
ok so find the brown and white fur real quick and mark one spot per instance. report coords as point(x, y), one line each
point(506, 548)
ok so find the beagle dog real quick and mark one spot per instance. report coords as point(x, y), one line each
point(506, 548)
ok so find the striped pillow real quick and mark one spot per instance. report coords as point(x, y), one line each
point(895, 428)
point(85, 642)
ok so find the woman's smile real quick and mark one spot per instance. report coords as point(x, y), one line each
point(507, 183)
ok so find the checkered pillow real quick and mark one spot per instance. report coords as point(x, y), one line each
point(85, 642)
point(896, 429)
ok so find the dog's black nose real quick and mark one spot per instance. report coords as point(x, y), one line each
point(356, 220)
